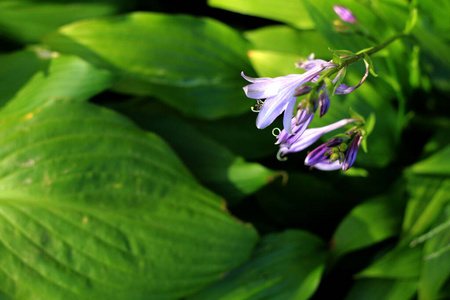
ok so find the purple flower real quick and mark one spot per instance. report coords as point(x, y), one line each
point(319, 159)
point(335, 154)
point(345, 14)
point(350, 154)
point(279, 93)
point(345, 89)
point(294, 143)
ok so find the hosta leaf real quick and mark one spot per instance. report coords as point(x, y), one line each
point(65, 77)
point(386, 289)
point(403, 262)
point(368, 223)
point(291, 12)
point(92, 207)
point(15, 70)
point(197, 73)
point(286, 265)
point(213, 164)
point(27, 21)
point(436, 266)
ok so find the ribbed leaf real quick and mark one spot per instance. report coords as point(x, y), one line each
point(94, 208)
point(26, 21)
point(286, 265)
point(197, 73)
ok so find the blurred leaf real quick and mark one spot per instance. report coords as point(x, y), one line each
point(402, 262)
point(368, 223)
point(281, 38)
point(273, 64)
point(197, 73)
point(15, 70)
point(26, 21)
point(429, 189)
point(291, 12)
point(214, 165)
point(66, 77)
point(436, 267)
point(386, 289)
point(437, 164)
point(286, 265)
point(93, 207)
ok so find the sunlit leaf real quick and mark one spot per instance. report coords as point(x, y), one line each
point(368, 223)
point(197, 73)
point(291, 12)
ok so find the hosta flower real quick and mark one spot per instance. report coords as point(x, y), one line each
point(292, 143)
point(345, 14)
point(335, 154)
point(280, 94)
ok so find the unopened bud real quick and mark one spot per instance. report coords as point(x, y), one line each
point(302, 90)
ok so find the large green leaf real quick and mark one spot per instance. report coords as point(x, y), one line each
point(192, 64)
point(94, 208)
point(436, 266)
point(213, 164)
point(15, 70)
point(65, 77)
point(291, 12)
point(368, 223)
point(386, 289)
point(286, 265)
point(26, 21)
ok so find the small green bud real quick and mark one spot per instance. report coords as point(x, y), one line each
point(343, 147)
point(334, 157)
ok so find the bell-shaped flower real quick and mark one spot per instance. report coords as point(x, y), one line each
point(345, 14)
point(319, 159)
point(293, 143)
point(279, 94)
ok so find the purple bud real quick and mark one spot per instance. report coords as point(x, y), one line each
point(345, 14)
point(316, 156)
point(350, 154)
point(324, 103)
point(334, 142)
point(302, 90)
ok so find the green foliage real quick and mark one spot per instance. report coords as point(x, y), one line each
point(131, 168)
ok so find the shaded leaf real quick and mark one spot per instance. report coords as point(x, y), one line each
point(27, 21)
point(197, 73)
point(386, 289)
point(286, 265)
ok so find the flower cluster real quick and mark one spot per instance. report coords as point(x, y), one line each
point(299, 97)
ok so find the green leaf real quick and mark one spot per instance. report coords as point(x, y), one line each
point(403, 262)
point(437, 164)
point(16, 69)
point(214, 165)
point(428, 196)
point(27, 21)
point(368, 223)
point(273, 64)
point(290, 12)
point(197, 73)
point(286, 265)
point(93, 207)
point(281, 38)
point(436, 267)
point(386, 289)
